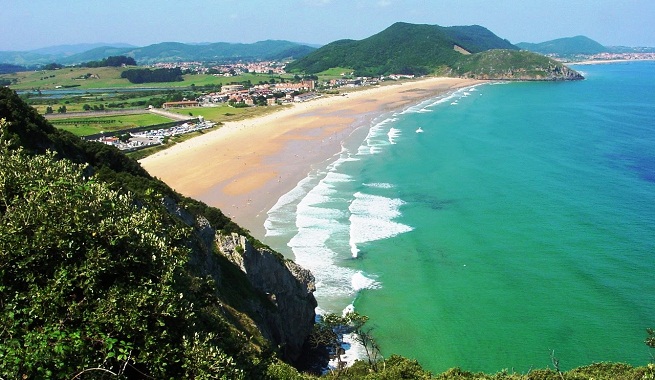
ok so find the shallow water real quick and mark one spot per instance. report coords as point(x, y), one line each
point(519, 221)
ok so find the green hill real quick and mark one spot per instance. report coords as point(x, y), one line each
point(512, 65)
point(565, 46)
point(164, 52)
point(402, 49)
point(174, 51)
point(465, 51)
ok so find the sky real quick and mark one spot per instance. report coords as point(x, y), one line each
point(33, 24)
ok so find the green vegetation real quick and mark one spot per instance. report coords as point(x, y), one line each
point(564, 47)
point(223, 113)
point(467, 51)
point(221, 51)
point(110, 282)
point(101, 77)
point(112, 61)
point(401, 49)
point(110, 78)
point(84, 126)
point(512, 65)
point(139, 76)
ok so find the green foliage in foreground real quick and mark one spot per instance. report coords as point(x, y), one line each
point(93, 278)
point(398, 367)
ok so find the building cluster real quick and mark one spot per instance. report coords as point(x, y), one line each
point(623, 56)
point(228, 70)
point(140, 140)
point(633, 56)
point(184, 66)
point(273, 93)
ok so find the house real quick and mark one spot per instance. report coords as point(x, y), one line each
point(182, 104)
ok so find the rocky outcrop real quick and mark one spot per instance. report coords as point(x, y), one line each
point(512, 65)
point(550, 73)
point(288, 287)
point(276, 294)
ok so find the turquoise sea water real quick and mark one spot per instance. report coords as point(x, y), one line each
point(521, 220)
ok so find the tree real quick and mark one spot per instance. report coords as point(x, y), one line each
point(70, 252)
point(61, 109)
point(330, 330)
point(48, 110)
point(650, 340)
point(86, 107)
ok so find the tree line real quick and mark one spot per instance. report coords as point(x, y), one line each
point(156, 75)
point(112, 61)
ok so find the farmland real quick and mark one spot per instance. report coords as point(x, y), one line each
point(84, 126)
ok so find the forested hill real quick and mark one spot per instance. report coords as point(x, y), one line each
point(402, 49)
point(566, 46)
point(167, 52)
point(426, 49)
point(219, 51)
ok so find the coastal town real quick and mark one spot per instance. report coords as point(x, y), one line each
point(239, 96)
point(273, 93)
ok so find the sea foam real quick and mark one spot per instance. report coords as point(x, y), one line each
point(371, 218)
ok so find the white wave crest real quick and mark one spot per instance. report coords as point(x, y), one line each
point(392, 134)
point(371, 219)
point(359, 282)
point(379, 185)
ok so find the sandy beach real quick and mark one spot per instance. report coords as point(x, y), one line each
point(244, 167)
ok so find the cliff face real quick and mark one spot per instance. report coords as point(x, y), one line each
point(283, 306)
point(288, 287)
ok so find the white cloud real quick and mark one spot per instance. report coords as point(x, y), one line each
point(384, 3)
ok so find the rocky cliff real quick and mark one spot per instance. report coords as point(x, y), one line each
point(283, 306)
point(288, 287)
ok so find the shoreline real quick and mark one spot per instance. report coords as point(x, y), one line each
point(607, 61)
point(244, 167)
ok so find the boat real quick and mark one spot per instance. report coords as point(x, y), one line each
point(419, 130)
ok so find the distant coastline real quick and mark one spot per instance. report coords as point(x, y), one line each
point(600, 62)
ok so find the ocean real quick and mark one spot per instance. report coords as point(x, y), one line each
point(494, 226)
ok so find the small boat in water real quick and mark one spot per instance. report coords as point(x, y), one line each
point(419, 130)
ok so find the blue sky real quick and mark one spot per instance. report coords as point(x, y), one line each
point(31, 24)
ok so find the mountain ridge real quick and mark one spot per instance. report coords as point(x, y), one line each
point(421, 49)
point(402, 48)
point(566, 46)
point(160, 52)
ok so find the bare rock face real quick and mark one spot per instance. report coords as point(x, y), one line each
point(289, 288)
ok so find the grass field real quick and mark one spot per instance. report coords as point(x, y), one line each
point(84, 126)
point(110, 77)
point(224, 113)
point(49, 79)
point(334, 73)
